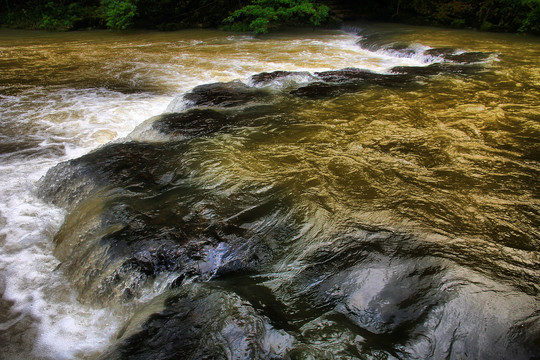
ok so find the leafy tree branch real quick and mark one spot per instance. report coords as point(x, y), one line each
point(262, 15)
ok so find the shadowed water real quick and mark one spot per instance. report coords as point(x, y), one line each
point(389, 210)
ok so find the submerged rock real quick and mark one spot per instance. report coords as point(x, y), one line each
point(440, 52)
point(167, 229)
point(318, 90)
point(267, 77)
point(361, 75)
point(234, 93)
point(469, 57)
point(191, 123)
point(129, 165)
point(348, 74)
point(454, 55)
point(335, 82)
point(366, 293)
point(436, 69)
point(134, 217)
point(401, 49)
point(348, 80)
point(373, 286)
point(202, 321)
point(379, 41)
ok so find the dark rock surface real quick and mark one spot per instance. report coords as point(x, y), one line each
point(234, 93)
point(140, 218)
point(361, 75)
point(267, 77)
point(440, 52)
point(192, 123)
point(366, 293)
point(128, 165)
point(454, 55)
point(335, 82)
point(436, 69)
point(203, 321)
point(318, 90)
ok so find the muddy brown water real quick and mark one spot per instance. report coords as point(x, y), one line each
point(374, 221)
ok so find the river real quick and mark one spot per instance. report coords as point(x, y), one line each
point(159, 199)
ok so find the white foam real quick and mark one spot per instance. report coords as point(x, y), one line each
point(66, 328)
point(77, 121)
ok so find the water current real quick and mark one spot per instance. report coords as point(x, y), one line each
point(203, 194)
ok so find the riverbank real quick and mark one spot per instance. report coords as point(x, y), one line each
point(495, 16)
point(116, 14)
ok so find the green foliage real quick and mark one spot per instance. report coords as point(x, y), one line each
point(532, 19)
point(59, 17)
point(119, 14)
point(261, 15)
point(492, 15)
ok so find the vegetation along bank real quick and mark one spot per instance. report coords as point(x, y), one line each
point(262, 16)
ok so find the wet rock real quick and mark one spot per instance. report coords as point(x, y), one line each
point(234, 93)
point(202, 321)
point(129, 165)
point(374, 42)
point(198, 122)
point(372, 292)
point(374, 288)
point(129, 242)
point(347, 74)
point(454, 55)
point(384, 41)
point(401, 49)
point(362, 75)
point(141, 223)
point(440, 52)
point(318, 90)
point(133, 219)
point(338, 82)
point(267, 77)
point(192, 123)
point(468, 57)
point(436, 69)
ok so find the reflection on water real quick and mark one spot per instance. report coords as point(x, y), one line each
point(377, 221)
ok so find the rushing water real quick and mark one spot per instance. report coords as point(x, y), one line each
point(310, 218)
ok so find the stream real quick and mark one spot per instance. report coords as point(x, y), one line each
point(364, 193)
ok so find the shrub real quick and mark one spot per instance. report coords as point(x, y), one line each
point(119, 14)
point(261, 15)
point(532, 19)
point(59, 17)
